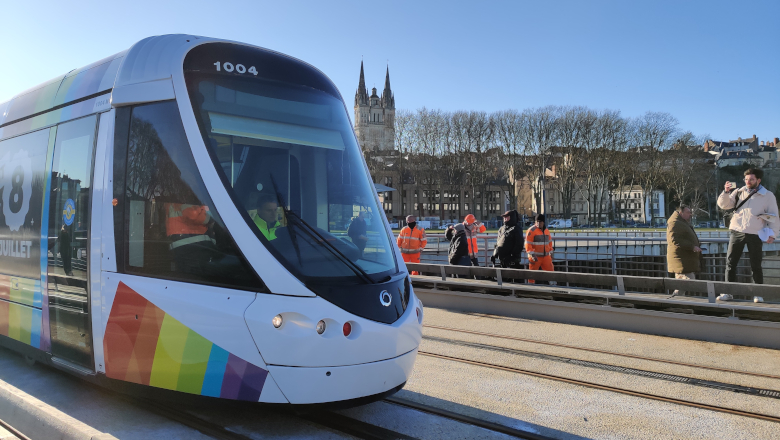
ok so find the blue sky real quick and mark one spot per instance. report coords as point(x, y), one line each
point(712, 64)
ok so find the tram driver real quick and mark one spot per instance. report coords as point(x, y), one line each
point(266, 217)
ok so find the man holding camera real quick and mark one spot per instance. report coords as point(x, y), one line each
point(748, 202)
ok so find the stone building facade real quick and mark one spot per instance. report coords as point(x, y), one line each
point(375, 116)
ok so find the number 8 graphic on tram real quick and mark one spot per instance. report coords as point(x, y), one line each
point(16, 182)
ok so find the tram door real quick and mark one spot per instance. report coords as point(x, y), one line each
point(69, 215)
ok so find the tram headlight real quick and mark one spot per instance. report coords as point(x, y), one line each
point(277, 321)
point(321, 327)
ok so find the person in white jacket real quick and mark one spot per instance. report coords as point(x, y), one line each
point(746, 223)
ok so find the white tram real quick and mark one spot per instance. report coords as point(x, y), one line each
point(195, 215)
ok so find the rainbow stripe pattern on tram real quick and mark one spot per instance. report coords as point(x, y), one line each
point(20, 309)
point(145, 345)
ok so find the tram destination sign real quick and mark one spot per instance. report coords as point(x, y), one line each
point(22, 184)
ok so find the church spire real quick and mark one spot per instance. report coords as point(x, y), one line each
point(361, 96)
point(388, 100)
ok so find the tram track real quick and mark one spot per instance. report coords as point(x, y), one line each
point(326, 419)
point(496, 427)
point(754, 391)
point(594, 350)
point(331, 420)
point(606, 387)
point(13, 430)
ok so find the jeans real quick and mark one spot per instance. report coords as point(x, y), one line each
point(737, 242)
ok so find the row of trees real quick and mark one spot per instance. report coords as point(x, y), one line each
point(593, 154)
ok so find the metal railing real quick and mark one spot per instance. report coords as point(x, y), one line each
point(492, 278)
point(617, 255)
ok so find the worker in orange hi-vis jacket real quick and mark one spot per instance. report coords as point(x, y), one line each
point(412, 241)
point(539, 246)
point(473, 227)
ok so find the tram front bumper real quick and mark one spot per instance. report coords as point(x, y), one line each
point(307, 385)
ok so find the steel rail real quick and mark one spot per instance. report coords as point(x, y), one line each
point(325, 419)
point(496, 427)
point(687, 380)
point(205, 427)
point(594, 350)
point(607, 388)
point(13, 430)
point(353, 427)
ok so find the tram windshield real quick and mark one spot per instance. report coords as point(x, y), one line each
point(288, 156)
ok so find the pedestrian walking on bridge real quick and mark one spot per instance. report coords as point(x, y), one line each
point(539, 246)
point(412, 241)
point(683, 249)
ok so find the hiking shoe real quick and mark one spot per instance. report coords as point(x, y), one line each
point(725, 297)
point(758, 299)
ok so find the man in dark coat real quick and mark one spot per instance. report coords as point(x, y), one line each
point(682, 246)
point(459, 248)
point(358, 232)
point(509, 245)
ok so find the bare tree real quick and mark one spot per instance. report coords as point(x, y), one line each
point(567, 157)
point(507, 139)
point(655, 132)
point(404, 143)
point(538, 136)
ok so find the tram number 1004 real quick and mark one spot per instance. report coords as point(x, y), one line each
point(240, 68)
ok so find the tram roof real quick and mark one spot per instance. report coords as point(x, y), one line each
point(147, 60)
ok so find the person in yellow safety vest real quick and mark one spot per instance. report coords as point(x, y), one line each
point(539, 246)
point(412, 241)
point(266, 217)
point(473, 227)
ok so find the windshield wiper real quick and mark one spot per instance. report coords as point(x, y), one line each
point(312, 232)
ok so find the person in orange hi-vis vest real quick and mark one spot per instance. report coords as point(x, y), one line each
point(412, 241)
point(187, 228)
point(473, 227)
point(539, 246)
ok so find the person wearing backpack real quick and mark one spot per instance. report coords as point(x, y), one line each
point(748, 203)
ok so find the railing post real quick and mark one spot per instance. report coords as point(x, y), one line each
point(498, 277)
point(614, 257)
point(443, 273)
point(711, 292)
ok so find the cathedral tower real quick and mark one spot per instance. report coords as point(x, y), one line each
point(375, 116)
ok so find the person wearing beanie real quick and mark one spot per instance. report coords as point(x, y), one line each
point(539, 246)
point(473, 227)
point(411, 241)
point(509, 245)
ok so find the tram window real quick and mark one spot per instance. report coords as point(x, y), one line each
point(295, 145)
point(68, 256)
point(69, 200)
point(172, 228)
